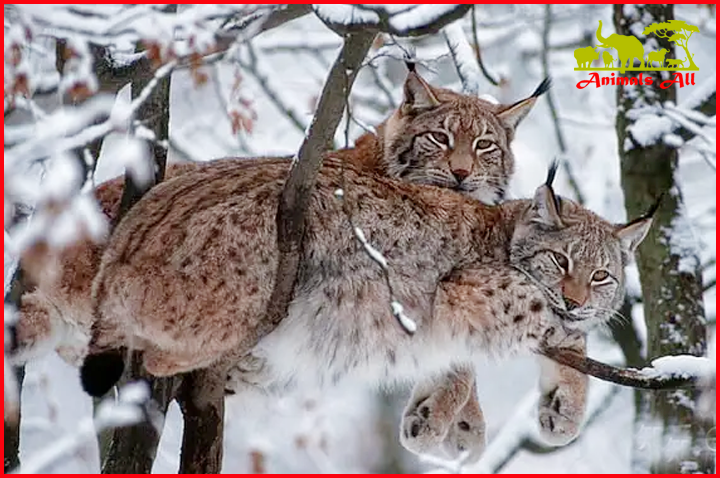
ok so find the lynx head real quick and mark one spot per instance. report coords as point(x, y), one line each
point(452, 140)
point(574, 256)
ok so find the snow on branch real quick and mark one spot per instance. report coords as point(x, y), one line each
point(463, 57)
point(129, 409)
point(398, 20)
point(666, 372)
point(54, 141)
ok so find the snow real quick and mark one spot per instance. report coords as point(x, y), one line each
point(372, 252)
point(681, 366)
point(345, 14)
point(407, 323)
point(683, 241)
point(649, 126)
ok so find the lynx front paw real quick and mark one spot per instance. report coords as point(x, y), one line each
point(560, 417)
point(422, 430)
point(466, 436)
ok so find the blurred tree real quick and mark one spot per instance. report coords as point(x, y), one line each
point(669, 438)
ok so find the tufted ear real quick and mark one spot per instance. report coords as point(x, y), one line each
point(418, 95)
point(546, 205)
point(633, 233)
point(511, 115)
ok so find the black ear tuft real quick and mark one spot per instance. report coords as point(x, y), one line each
point(552, 170)
point(542, 87)
point(653, 209)
point(100, 372)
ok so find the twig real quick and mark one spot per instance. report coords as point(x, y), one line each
point(461, 53)
point(252, 68)
point(621, 376)
point(478, 55)
point(572, 181)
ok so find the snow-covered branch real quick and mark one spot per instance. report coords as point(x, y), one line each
point(398, 20)
point(665, 373)
point(462, 55)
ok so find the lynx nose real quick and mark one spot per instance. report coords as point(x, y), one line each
point(570, 304)
point(460, 174)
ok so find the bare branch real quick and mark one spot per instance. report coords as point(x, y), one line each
point(251, 67)
point(478, 55)
point(379, 19)
point(621, 376)
point(559, 137)
point(463, 58)
point(296, 193)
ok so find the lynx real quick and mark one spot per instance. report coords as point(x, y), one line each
point(446, 139)
point(58, 307)
point(186, 277)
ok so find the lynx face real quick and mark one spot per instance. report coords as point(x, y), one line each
point(575, 257)
point(453, 141)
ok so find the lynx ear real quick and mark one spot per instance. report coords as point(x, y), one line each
point(514, 114)
point(546, 205)
point(633, 233)
point(418, 94)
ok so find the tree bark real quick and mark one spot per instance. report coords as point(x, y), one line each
point(132, 449)
point(669, 438)
point(201, 399)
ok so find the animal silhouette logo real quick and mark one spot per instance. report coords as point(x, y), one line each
point(630, 50)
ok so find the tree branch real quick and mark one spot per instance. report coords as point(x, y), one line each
point(621, 376)
point(387, 22)
point(462, 56)
point(559, 137)
point(478, 55)
point(298, 188)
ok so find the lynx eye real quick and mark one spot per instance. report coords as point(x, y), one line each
point(561, 260)
point(599, 276)
point(439, 138)
point(482, 144)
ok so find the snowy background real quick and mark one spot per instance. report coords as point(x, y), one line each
point(281, 73)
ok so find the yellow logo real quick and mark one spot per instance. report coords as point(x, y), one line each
point(628, 49)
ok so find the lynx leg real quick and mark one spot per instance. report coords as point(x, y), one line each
point(467, 432)
point(432, 409)
point(563, 396)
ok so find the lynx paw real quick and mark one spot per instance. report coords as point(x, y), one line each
point(466, 435)
point(249, 371)
point(559, 417)
point(422, 430)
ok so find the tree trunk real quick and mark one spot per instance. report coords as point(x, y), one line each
point(201, 399)
point(132, 449)
point(669, 438)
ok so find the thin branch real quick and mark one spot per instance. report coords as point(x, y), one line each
point(478, 55)
point(461, 54)
point(621, 376)
point(252, 68)
point(559, 137)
